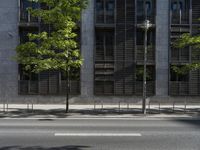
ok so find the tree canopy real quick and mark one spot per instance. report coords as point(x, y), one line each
point(187, 40)
point(58, 49)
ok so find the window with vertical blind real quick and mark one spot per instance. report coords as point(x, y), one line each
point(105, 11)
point(180, 11)
point(116, 46)
point(24, 14)
point(150, 9)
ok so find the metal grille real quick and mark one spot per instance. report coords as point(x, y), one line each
point(120, 77)
point(187, 55)
point(195, 11)
point(49, 83)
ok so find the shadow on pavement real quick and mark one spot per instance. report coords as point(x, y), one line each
point(196, 123)
point(70, 147)
point(60, 113)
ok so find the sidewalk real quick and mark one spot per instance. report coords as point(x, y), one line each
point(98, 111)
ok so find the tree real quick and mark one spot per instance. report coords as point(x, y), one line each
point(184, 41)
point(58, 49)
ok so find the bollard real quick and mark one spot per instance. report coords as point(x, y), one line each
point(4, 107)
point(119, 106)
point(173, 106)
point(32, 108)
point(185, 107)
point(94, 105)
point(159, 107)
point(101, 105)
point(149, 106)
point(128, 106)
point(7, 107)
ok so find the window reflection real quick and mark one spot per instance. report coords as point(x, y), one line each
point(180, 11)
point(149, 7)
point(105, 11)
point(24, 14)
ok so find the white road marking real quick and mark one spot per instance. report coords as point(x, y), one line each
point(100, 134)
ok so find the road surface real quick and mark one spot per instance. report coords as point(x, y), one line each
point(99, 134)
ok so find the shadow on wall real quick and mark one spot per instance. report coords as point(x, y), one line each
point(69, 147)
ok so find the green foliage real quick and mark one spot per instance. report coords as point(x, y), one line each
point(181, 70)
point(187, 40)
point(57, 50)
point(140, 74)
point(184, 41)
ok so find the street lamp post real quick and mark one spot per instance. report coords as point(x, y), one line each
point(146, 25)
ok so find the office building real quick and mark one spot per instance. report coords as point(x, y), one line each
point(112, 45)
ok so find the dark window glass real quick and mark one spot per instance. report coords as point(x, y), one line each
point(99, 45)
point(104, 45)
point(181, 5)
point(180, 11)
point(174, 6)
point(105, 11)
point(150, 74)
point(140, 11)
point(150, 37)
point(110, 7)
point(149, 7)
point(27, 75)
point(109, 42)
point(99, 11)
point(24, 34)
point(140, 37)
point(24, 15)
point(178, 77)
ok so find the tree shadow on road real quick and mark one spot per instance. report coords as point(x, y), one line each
point(69, 147)
point(60, 113)
point(114, 112)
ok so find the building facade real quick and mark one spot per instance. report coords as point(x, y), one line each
point(112, 45)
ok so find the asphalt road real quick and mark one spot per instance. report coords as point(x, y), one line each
point(99, 134)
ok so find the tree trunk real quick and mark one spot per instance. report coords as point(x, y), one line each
point(67, 91)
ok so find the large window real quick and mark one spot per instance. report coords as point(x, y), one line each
point(105, 11)
point(24, 15)
point(180, 11)
point(24, 33)
point(150, 37)
point(145, 7)
point(150, 42)
point(105, 45)
point(178, 77)
point(150, 74)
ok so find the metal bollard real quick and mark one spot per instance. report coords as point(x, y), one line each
point(128, 106)
point(7, 107)
point(94, 105)
point(32, 108)
point(119, 106)
point(101, 105)
point(27, 106)
point(185, 107)
point(173, 106)
point(159, 107)
point(4, 107)
point(149, 106)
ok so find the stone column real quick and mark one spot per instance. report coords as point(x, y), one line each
point(8, 41)
point(87, 50)
point(162, 48)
